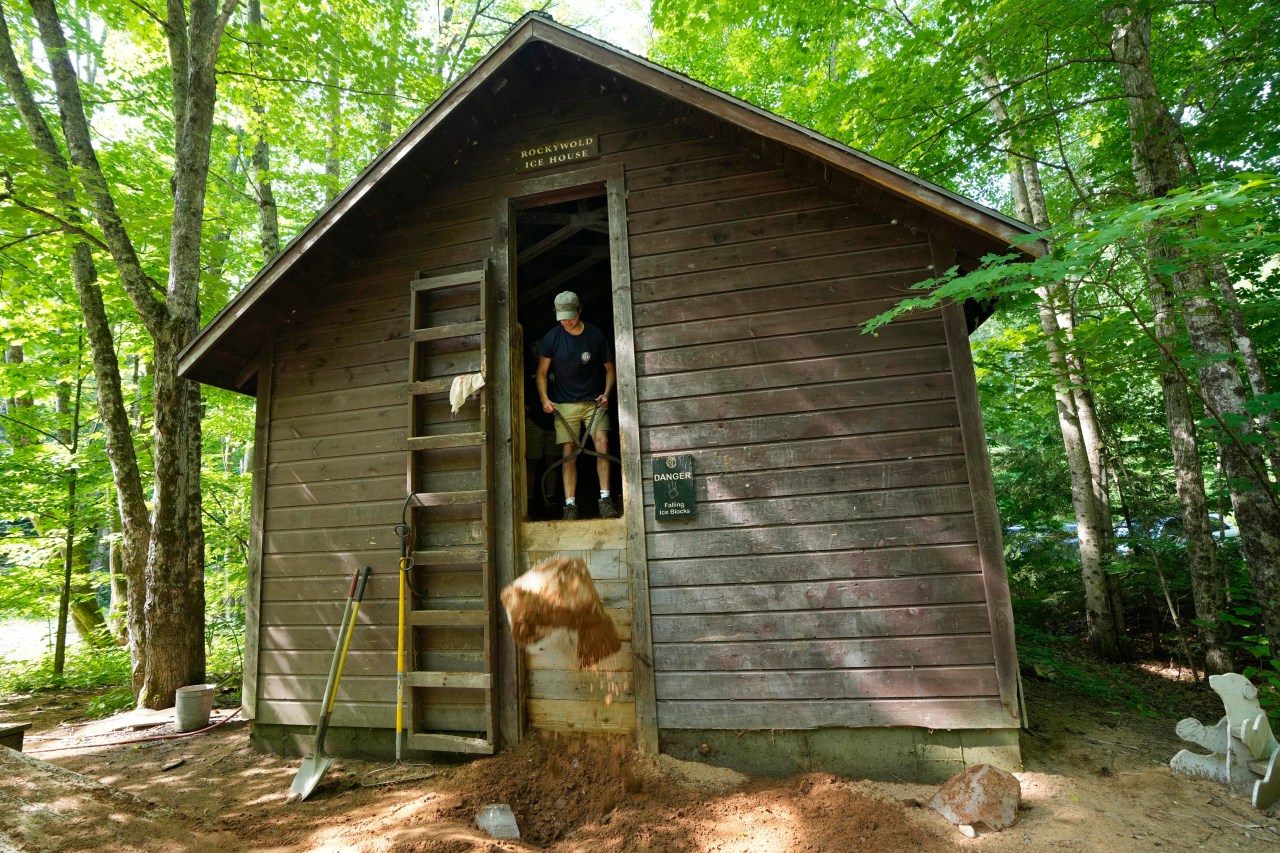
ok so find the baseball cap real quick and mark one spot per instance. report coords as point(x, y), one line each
point(567, 305)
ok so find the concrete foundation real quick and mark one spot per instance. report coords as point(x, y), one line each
point(897, 754)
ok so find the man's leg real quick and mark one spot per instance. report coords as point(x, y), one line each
point(601, 442)
point(569, 476)
point(608, 509)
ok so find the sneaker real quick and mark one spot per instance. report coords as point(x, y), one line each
point(570, 512)
point(607, 509)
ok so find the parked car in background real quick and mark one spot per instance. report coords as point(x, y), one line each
point(1169, 528)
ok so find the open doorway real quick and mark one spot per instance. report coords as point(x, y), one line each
point(562, 245)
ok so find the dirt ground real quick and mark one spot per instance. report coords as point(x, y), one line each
point(1096, 779)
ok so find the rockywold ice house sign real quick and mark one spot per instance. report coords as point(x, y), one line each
point(825, 588)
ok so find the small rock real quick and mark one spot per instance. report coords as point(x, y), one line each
point(979, 794)
point(1044, 671)
point(173, 763)
point(967, 831)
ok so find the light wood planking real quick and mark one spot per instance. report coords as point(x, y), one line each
point(932, 713)
point(907, 561)
point(829, 684)
point(821, 624)
point(824, 654)
point(819, 595)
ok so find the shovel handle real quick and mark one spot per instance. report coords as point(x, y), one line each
point(355, 593)
point(346, 641)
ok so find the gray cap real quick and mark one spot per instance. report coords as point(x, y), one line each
point(567, 305)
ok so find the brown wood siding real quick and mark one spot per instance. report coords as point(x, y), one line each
point(832, 575)
point(835, 541)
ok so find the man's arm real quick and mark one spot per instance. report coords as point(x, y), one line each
point(610, 377)
point(544, 364)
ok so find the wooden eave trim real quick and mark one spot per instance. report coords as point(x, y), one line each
point(787, 132)
point(355, 192)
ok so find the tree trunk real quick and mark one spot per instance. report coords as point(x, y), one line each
point(1207, 591)
point(269, 235)
point(13, 354)
point(1248, 357)
point(1081, 438)
point(118, 609)
point(170, 604)
point(64, 594)
point(86, 615)
point(1156, 138)
point(333, 151)
point(117, 430)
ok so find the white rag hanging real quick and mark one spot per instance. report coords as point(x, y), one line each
point(463, 387)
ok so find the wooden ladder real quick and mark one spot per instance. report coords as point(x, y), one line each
point(450, 621)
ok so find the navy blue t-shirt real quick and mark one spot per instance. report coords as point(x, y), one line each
point(577, 363)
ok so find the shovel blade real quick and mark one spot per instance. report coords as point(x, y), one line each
point(309, 775)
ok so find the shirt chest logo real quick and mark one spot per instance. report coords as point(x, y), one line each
point(586, 357)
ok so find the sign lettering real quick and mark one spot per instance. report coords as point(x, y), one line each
point(557, 153)
point(673, 487)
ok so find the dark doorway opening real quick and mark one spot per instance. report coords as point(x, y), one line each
point(561, 245)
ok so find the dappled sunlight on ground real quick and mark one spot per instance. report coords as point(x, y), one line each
point(1095, 778)
point(1172, 670)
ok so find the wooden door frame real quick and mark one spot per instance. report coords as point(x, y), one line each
point(546, 188)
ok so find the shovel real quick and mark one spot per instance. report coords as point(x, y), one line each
point(317, 764)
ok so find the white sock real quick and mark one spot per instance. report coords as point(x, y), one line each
point(570, 501)
point(604, 493)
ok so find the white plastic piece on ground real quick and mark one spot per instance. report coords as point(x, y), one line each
point(497, 820)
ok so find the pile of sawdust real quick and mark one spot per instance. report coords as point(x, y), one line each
point(558, 593)
point(598, 793)
point(691, 774)
point(553, 784)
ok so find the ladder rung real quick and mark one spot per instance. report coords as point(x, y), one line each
point(464, 618)
point(453, 330)
point(453, 439)
point(430, 386)
point(475, 496)
point(438, 282)
point(470, 680)
point(450, 743)
point(449, 557)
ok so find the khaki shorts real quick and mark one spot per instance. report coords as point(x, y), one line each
point(578, 414)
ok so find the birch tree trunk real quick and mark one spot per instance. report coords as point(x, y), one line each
point(1248, 357)
point(268, 218)
point(333, 149)
point(1081, 438)
point(1156, 138)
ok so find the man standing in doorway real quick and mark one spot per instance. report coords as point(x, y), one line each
point(579, 357)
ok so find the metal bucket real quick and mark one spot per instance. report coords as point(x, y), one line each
point(192, 707)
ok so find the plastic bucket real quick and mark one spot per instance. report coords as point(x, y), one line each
point(192, 707)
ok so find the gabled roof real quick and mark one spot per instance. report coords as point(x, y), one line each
point(251, 311)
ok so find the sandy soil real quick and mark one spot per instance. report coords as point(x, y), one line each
point(1096, 779)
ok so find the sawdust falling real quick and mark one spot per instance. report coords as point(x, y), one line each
point(558, 593)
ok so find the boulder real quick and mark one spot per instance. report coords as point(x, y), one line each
point(981, 794)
